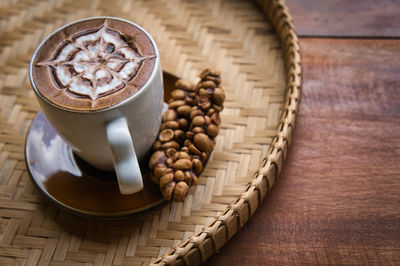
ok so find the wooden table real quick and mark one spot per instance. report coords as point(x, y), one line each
point(338, 198)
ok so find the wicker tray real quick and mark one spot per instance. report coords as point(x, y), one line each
point(255, 47)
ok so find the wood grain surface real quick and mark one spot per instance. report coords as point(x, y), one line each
point(337, 200)
point(343, 18)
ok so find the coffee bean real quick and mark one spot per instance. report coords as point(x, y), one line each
point(189, 177)
point(178, 94)
point(198, 121)
point(176, 103)
point(169, 115)
point(204, 103)
point(156, 145)
point(204, 157)
point(183, 155)
point(192, 120)
point(183, 84)
point(165, 179)
point(212, 130)
point(207, 120)
point(195, 112)
point(217, 108)
point(184, 110)
point(166, 135)
point(183, 124)
point(216, 119)
point(159, 170)
point(169, 162)
point(179, 135)
point(170, 125)
point(170, 144)
point(179, 175)
point(157, 158)
point(197, 165)
point(167, 190)
point(183, 164)
point(194, 150)
point(170, 152)
point(208, 84)
point(202, 142)
point(180, 191)
point(189, 135)
point(205, 92)
point(218, 96)
point(197, 130)
point(189, 101)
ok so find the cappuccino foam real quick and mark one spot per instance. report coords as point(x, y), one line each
point(93, 64)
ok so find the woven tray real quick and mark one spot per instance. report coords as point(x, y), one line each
point(255, 47)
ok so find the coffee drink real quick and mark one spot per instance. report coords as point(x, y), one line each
point(93, 64)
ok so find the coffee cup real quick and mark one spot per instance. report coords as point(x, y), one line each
point(99, 83)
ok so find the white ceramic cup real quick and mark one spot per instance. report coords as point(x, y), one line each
point(116, 137)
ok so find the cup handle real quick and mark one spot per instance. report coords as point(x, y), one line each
point(124, 157)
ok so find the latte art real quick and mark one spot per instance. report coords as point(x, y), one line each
point(95, 63)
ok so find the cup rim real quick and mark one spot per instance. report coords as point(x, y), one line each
point(132, 97)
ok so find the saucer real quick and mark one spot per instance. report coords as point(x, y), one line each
point(74, 185)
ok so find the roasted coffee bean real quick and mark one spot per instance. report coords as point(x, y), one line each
point(183, 84)
point(170, 125)
point(168, 190)
point(204, 103)
point(189, 101)
point(170, 144)
point(179, 135)
point(207, 120)
point(198, 121)
point(183, 164)
point(204, 157)
point(202, 142)
point(165, 179)
point(187, 135)
point(170, 152)
point(169, 115)
point(180, 191)
point(197, 165)
point(197, 130)
point(216, 119)
point(157, 145)
point(179, 175)
point(159, 170)
point(217, 108)
point(187, 142)
point(184, 110)
point(178, 94)
point(183, 123)
point(195, 112)
point(207, 84)
point(166, 135)
point(157, 158)
point(169, 162)
point(183, 155)
point(212, 130)
point(194, 150)
point(218, 97)
point(176, 103)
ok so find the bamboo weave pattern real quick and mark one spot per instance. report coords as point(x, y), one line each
point(261, 75)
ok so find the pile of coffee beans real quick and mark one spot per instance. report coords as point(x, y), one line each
point(187, 134)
